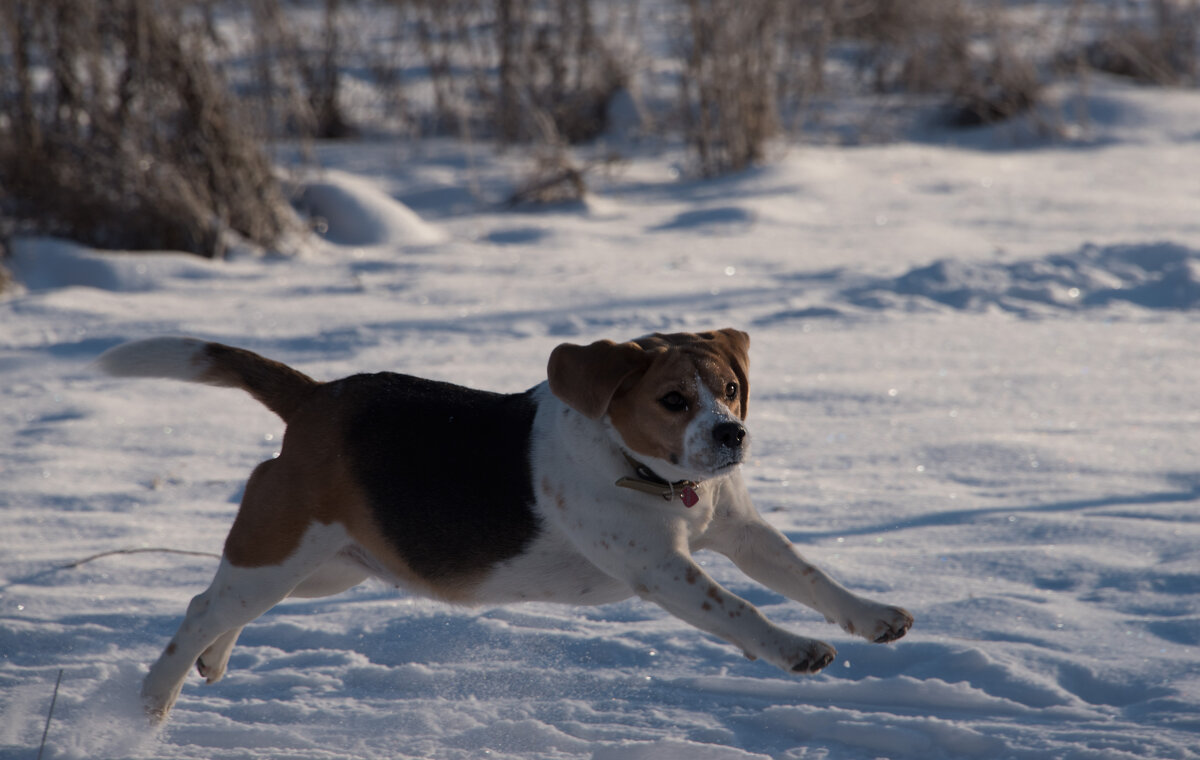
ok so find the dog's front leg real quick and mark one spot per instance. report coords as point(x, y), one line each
point(678, 585)
point(766, 555)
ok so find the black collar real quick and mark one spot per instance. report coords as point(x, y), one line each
point(648, 481)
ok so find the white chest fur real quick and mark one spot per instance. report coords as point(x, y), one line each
point(594, 535)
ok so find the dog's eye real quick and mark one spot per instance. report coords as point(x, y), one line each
point(674, 402)
point(731, 391)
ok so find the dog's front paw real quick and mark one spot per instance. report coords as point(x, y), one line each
point(879, 623)
point(792, 653)
point(894, 626)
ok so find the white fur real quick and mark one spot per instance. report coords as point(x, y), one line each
point(174, 358)
point(700, 450)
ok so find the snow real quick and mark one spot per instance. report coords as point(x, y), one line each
point(972, 394)
point(351, 211)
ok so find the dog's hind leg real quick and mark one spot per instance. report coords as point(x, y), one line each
point(333, 577)
point(236, 596)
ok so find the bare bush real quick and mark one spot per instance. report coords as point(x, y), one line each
point(994, 90)
point(1000, 81)
point(298, 70)
point(6, 278)
point(728, 88)
point(496, 67)
point(563, 69)
point(552, 63)
point(807, 30)
point(119, 128)
point(555, 176)
point(1154, 43)
point(553, 179)
point(129, 140)
point(913, 46)
point(951, 49)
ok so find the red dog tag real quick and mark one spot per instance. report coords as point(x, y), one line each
point(689, 497)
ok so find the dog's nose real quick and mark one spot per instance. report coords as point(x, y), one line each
point(729, 434)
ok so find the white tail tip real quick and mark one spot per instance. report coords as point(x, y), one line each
point(175, 358)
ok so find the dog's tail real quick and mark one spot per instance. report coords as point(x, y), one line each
point(279, 387)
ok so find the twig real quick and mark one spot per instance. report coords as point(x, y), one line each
point(49, 715)
point(85, 560)
point(158, 549)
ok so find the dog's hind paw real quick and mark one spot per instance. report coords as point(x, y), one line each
point(816, 656)
point(156, 708)
point(814, 664)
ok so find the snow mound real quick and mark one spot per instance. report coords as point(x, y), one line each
point(1152, 276)
point(353, 211)
point(43, 263)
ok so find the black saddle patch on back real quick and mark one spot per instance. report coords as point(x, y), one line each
point(446, 469)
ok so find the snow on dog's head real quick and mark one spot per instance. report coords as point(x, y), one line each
point(675, 401)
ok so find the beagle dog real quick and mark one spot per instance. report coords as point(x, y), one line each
point(591, 487)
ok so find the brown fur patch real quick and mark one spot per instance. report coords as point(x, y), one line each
point(627, 379)
point(550, 492)
point(677, 361)
point(586, 377)
point(279, 387)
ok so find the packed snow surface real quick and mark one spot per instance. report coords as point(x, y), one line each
point(973, 393)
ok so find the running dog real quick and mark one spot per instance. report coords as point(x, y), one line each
point(591, 487)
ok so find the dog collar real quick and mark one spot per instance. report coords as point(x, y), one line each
point(648, 481)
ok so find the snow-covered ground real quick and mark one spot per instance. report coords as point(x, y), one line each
point(974, 373)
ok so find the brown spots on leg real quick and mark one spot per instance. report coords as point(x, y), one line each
point(692, 575)
point(555, 495)
point(714, 593)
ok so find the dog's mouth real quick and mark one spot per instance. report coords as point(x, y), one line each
point(721, 468)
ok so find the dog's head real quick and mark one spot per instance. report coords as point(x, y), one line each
point(677, 402)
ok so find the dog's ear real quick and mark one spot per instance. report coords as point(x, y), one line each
point(587, 377)
point(736, 345)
